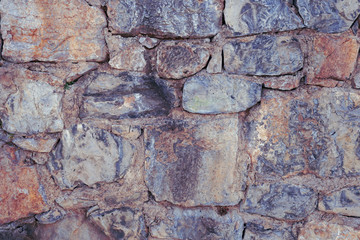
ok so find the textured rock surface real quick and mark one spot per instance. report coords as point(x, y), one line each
point(89, 155)
point(178, 223)
point(250, 17)
point(166, 18)
point(183, 164)
point(329, 16)
point(115, 94)
point(283, 201)
point(48, 31)
point(44, 145)
point(212, 94)
point(345, 202)
point(263, 55)
point(126, 131)
point(331, 58)
point(258, 232)
point(325, 231)
point(287, 82)
point(180, 59)
point(20, 191)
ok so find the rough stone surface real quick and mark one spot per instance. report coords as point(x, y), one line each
point(20, 191)
point(329, 16)
point(149, 42)
point(345, 202)
point(48, 31)
point(251, 17)
point(308, 130)
point(263, 55)
point(177, 60)
point(183, 166)
point(331, 58)
point(39, 144)
point(258, 232)
point(166, 18)
point(115, 94)
point(126, 53)
point(212, 94)
point(356, 77)
point(178, 223)
point(90, 155)
point(326, 231)
point(287, 82)
point(126, 131)
point(215, 63)
point(282, 201)
point(50, 216)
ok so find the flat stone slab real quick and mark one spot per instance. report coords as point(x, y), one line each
point(37, 144)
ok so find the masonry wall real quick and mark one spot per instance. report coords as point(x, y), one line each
point(180, 119)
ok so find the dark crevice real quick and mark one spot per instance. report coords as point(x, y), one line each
point(295, 7)
point(243, 233)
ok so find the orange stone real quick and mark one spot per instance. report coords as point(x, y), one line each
point(19, 189)
point(327, 231)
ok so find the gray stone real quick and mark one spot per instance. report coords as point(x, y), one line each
point(149, 42)
point(90, 155)
point(264, 55)
point(195, 223)
point(345, 202)
point(126, 131)
point(329, 16)
point(166, 18)
point(282, 201)
point(212, 94)
point(183, 167)
point(113, 94)
point(178, 60)
point(215, 63)
point(356, 77)
point(259, 16)
point(255, 231)
point(36, 144)
point(51, 216)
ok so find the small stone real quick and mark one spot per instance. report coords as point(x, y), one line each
point(149, 42)
point(182, 162)
point(282, 201)
point(78, 198)
point(90, 155)
point(255, 231)
point(264, 55)
point(38, 144)
point(251, 17)
point(126, 131)
point(178, 60)
point(51, 216)
point(326, 231)
point(126, 53)
point(329, 16)
point(48, 31)
point(287, 82)
point(356, 77)
point(213, 94)
point(215, 63)
point(345, 202)
point(166, 18)
point(331, 58)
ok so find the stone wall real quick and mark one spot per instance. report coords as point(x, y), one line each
point(180, 119)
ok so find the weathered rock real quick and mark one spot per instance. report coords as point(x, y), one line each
point(258, 232)
point(126, 53)
point(126, 131)
point(174, 18)
point(178, 223)
point(251, 17)
point(178, 60)
point(37, 144)
point(20, 191)
point(78, 198)
point(183, 166)
point(122, 223)
point(113, 94)
point(212, 94)
point(50, 216)
point(282, 201)
point(48, 31)
point(90, 155)
point(215, 63)
point(263, 55)
point(329, 16)
point(356, 77)
point(344, 202)
point(326, 231)
point(287, 82)
point(331, 58)
point(149, 42)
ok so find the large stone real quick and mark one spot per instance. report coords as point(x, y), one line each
point(114, 94)
point(36, 144)
point(20, 190)
point(178, 223)
point(263, 55)
point(251, 17)
point(345, 202)
point(330, 16)
point(327, 231)
point(43, 30)
point(178, 60)
point(183, 167)
point(331, 58)
point(212, 94)
point(90, 155)
point(282, 201)
point(166, 18)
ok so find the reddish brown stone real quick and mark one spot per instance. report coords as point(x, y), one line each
point(19, 190)
point(326, 231)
